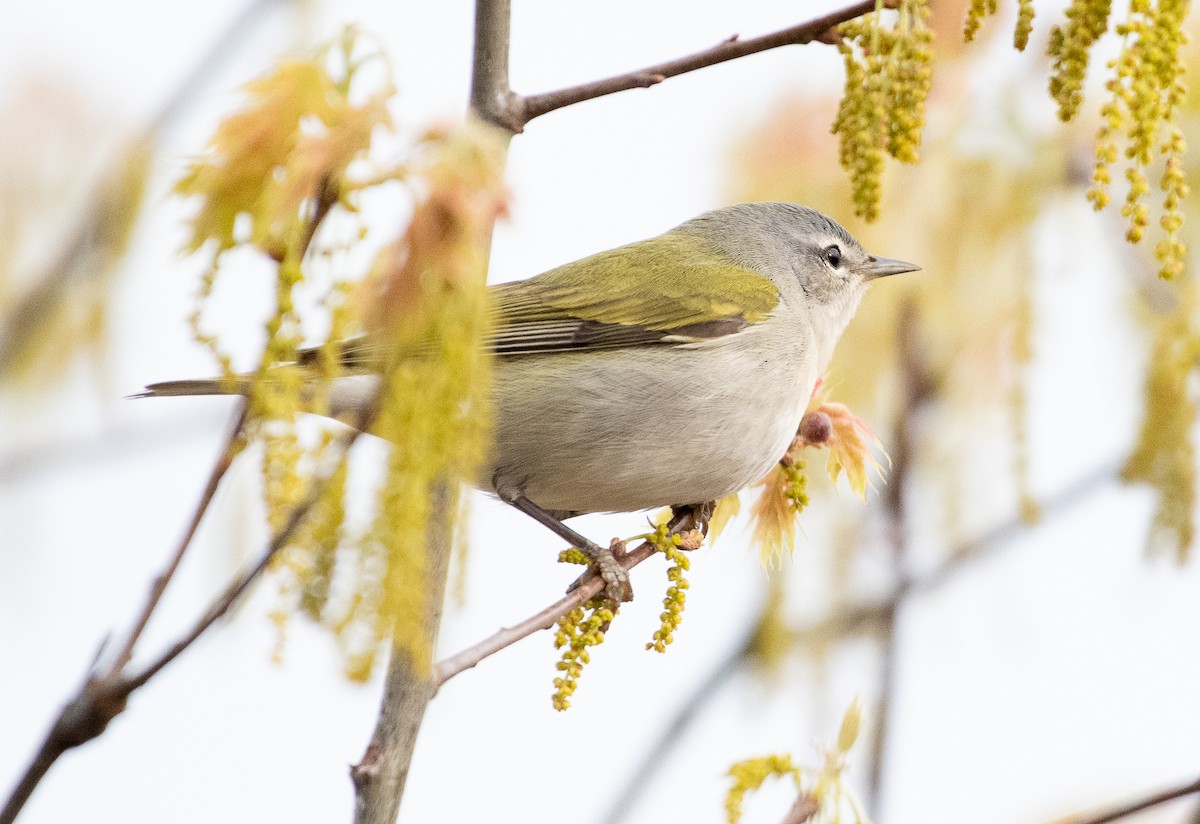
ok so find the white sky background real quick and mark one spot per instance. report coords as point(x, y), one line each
point(1059, 673)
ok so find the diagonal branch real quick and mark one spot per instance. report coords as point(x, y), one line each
point(818, 29)
point(548, 617)
point(845, 622)
point(103, 697)
point(1133, 807)
point(159, 586)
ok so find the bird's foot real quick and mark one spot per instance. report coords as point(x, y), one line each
point(606, 563)
point(686, 518)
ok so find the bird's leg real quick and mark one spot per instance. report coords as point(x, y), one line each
point(691, 516)
point(616, 577)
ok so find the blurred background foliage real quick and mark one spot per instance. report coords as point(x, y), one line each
point(942, 363)
point(995, 210)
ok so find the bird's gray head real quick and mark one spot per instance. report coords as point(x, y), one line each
point(816, 264)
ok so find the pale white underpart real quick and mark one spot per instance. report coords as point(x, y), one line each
point(633, 429)
point(646, 426)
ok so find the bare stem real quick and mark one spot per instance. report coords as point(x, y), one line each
point(816, 29)
point(1126, 810)
point(548, 617)
point(491, 98)
point(379, 777)
point(381, 774)
point(104, 696)
point(160, 583)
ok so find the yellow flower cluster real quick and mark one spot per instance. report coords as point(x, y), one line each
point(888, 76)
point(976, 12)
point(579, 629)
point(750, 774)
point(263, 185)
point(297, 153)
point(1143, 110)
point(1024, 27)
point(1070, 46)
point(431, 307)
point(784, 496)
point(822, 793)
point(675, 547)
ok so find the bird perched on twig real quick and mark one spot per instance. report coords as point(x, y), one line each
point(670, 371)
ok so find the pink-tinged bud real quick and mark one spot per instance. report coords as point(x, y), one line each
point(816, 428)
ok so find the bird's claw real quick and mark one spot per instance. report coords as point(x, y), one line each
point(606, 564)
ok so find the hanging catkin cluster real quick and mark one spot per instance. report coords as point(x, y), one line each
point(888, 76)
point(1142, 113)
point(1071, 47)
point(299, 153)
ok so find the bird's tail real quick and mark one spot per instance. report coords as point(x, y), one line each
point(206, 386)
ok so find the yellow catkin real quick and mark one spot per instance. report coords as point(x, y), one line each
point(1070, 46)
point(882, 111)
point(676, 595)
point(1141, 114)
point(1024, 27)
point(977, 11)
point(578, 630)
point(749, 776)
point(263, 187)
point(432, 309)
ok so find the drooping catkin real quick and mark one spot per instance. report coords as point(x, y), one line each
point(1139, 120)
point(888, 76)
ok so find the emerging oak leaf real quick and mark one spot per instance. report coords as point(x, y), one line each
point(850, 448)
point(727, 509)
point(782, 499)
point(849, 439)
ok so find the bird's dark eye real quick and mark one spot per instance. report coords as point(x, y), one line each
point(832, 255)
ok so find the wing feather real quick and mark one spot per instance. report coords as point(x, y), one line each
point(669, 290)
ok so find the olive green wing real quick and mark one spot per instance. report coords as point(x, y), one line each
point(671, 289)
point(674, 288)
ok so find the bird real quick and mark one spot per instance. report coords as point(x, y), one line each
point(671, 371)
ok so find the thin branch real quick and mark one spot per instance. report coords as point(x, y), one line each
point(380, 776)
point(159, 586)
point(1126, 810)
point(491, 98)
point(858, 618)
point(103, 697)
point(817, 29)
point(671, 734)
point(237, 587)
point(469, 657)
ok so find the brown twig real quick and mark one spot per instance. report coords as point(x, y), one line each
point(1126, 810)
point(501, 106)
point(379, 777)
point(160, 583)
point(847, 621)
point(469, 657)
point(236, 588)
point(104, 696)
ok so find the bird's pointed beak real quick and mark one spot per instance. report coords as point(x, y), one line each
point(879, 267)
